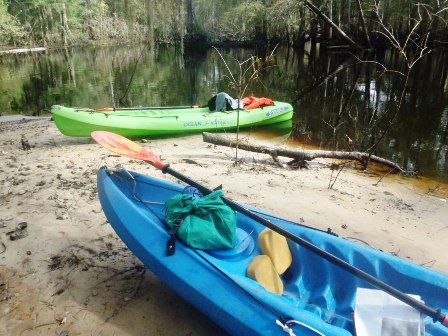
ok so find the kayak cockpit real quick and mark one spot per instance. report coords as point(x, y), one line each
point(316, 292)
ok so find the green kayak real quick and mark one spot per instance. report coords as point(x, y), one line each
point(153, 121)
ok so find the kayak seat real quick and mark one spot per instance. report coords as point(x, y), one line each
point(275, 260)
point(275, 246)
point(263, 271)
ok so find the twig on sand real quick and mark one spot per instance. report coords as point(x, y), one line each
point(38, 326)
point(429, 263)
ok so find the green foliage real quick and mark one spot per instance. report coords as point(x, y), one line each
point(245, 20)
point(286, 18)
point(38, 22)
point(10, 30)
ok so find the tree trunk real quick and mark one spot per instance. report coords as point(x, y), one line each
point(43, 27)
point(150, 23)
point(301, 154)
point(346, 15)
point(64, 26)
point(319, 13)
point(363, 23)
point(329, 28)
point(191, 20)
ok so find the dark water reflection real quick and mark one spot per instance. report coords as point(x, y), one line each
point(349, 110)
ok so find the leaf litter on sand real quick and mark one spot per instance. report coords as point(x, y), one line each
point(19, 232)
point(117, 271)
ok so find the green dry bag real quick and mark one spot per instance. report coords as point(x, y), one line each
point(205, 222)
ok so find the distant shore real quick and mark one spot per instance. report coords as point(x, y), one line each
point(18, 117)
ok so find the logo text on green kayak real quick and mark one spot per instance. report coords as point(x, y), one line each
point(208, 123)
point(276, 111)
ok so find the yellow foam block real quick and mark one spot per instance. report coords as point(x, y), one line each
point(262, 270)
point(276, 247)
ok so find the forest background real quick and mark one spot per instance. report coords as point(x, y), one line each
point(181, 22)
point(359, 108)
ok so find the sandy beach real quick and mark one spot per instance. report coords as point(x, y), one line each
point(64, 271)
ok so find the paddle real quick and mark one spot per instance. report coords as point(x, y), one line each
point(123, 146)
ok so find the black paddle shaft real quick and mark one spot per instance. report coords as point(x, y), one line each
point(435, 314)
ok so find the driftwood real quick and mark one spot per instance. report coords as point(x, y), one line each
point(23, 50)
point(301, 154)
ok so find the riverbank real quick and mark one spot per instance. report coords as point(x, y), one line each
point(63, 268)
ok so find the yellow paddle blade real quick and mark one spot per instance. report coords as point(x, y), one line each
point(123, 146)
point(276, 247)
point(262, 270)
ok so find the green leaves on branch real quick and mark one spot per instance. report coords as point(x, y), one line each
point(11, 31)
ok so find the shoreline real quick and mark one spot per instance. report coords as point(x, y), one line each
point(20, 117)
point(67, 270)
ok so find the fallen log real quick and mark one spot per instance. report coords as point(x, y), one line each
point(301, 154)
point(23, 50)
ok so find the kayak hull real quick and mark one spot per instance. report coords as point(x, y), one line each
point(164, 121)
point(317, 293)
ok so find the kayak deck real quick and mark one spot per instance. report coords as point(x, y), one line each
point(157, 122)
point(317, 292)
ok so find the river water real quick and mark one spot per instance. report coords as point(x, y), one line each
point(340, 102)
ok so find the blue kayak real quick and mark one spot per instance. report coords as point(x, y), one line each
point(318, 298)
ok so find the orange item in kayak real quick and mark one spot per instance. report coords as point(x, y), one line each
point(254, 102)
